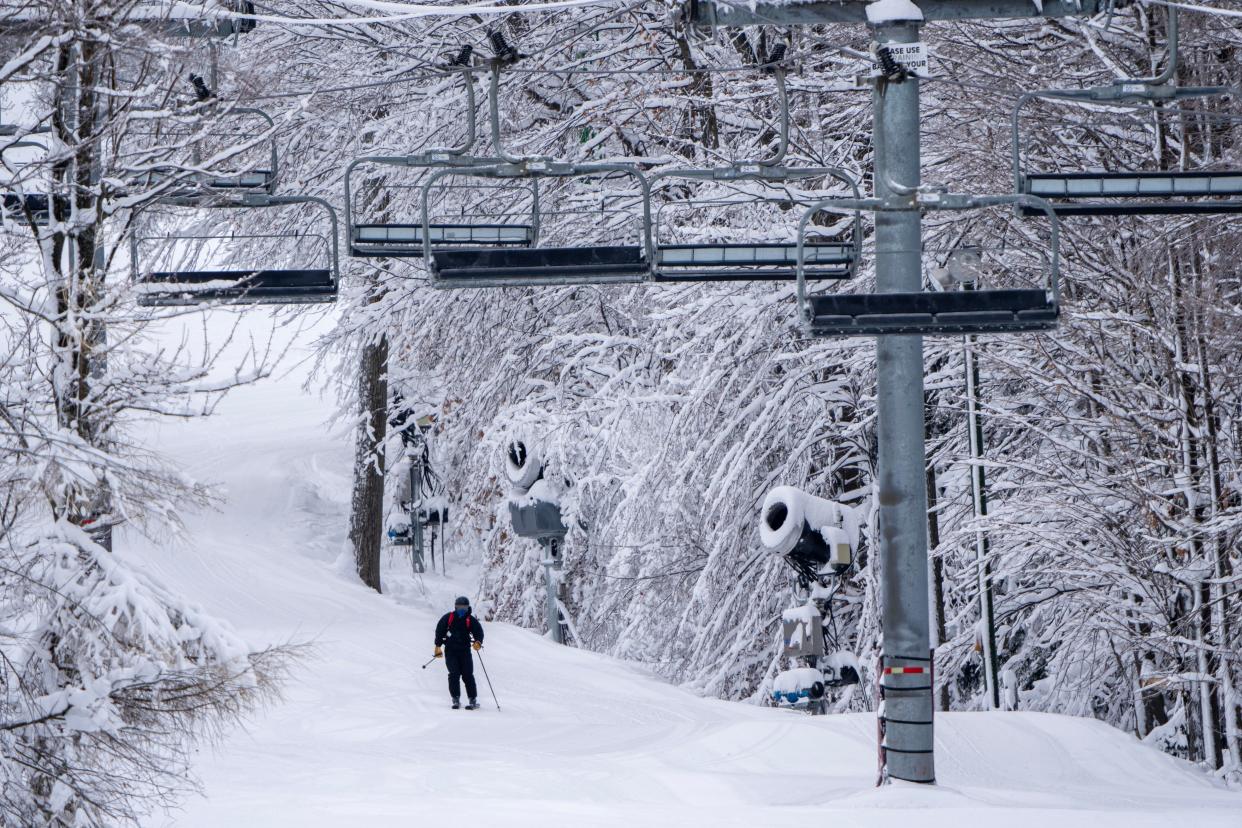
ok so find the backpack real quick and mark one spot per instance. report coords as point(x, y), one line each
point(448, 626)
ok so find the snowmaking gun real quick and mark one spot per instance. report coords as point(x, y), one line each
point(535, 513)
point(422, 509)
point(816, 538)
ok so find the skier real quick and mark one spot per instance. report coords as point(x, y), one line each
point(453, 644)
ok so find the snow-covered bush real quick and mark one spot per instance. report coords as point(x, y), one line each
point(105, 681)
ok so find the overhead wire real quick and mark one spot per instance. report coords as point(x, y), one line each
point(416, 11)
point(1209, 10)
point(433, 71)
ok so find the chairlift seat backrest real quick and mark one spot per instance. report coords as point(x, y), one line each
point(406, 240)
point(955, 312)
point(751, 262)
point(254, 180)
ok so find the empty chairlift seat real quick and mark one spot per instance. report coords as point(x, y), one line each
point(313, 248)
point(751, 262)
point(259, 287)
point(499, 267)
point(1137, 193)
point(747, 187)
point(1144, 104)
point(406, 240)
point(955, 312)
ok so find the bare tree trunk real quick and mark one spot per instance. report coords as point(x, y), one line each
point(366, 517)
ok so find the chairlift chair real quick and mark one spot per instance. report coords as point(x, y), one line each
point(405, 239)
point(238, 285)
point(767, 260)
point(1130, 192)
point(511, 266)
point(466, 227)
point(506, 259)
point(201, 174)
point(956, 312)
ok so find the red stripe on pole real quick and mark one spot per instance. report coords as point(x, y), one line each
point(889, 671)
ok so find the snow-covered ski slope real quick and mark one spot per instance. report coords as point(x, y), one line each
point(365, 737)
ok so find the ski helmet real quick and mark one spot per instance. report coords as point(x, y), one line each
point(462, 601)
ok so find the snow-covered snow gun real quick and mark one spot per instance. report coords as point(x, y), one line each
point(535, 512)
point(816, 538)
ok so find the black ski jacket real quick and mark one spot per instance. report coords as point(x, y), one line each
point(455, 633)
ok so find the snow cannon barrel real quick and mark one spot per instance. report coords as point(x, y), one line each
point(809, 532)
point(523, 464)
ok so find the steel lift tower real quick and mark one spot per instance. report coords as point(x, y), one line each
point(906, 744)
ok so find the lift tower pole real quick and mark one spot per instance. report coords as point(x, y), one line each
point(905, 660)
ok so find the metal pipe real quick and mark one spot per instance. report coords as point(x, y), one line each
point(979, 501)
point(1170, 66)
point(782, 98)
point(493, 106)
point(534, 212)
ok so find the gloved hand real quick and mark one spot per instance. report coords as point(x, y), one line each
point(478, 645)
point(439, 652)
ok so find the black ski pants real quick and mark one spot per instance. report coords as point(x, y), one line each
point(461, 668)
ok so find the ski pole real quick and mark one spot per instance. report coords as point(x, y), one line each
point(489, 679)
point(433, 658)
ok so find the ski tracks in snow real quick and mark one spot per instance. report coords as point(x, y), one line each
point(366, 737)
